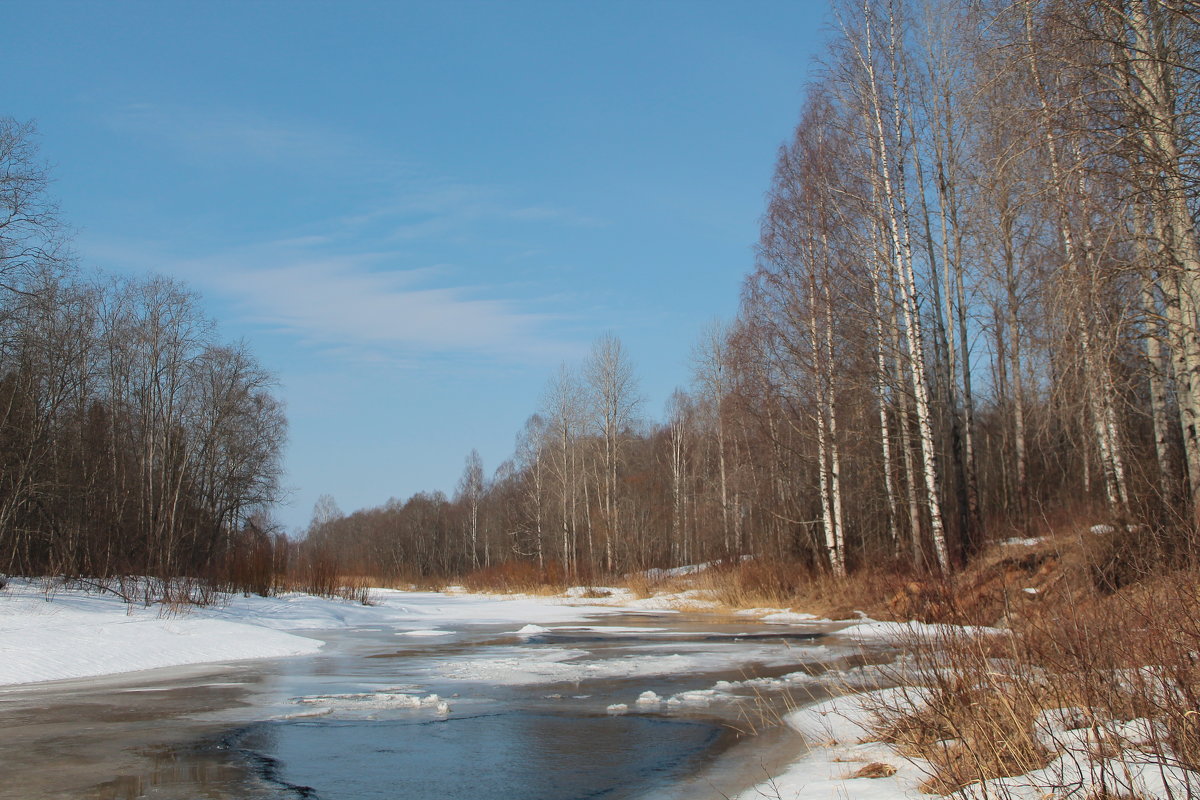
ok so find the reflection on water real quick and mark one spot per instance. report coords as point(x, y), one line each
point(129, 736)
point(192, 772)
point(513, 755)
point(596, 637)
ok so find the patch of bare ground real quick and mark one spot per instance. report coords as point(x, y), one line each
point(876, 769)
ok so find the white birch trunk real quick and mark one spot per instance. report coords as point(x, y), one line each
point(896, 210)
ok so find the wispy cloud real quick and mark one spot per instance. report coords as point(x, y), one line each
point(361, 304)
point(423, 207)
point(332, 302)
point(228, 133)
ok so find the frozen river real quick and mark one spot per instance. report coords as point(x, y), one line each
point(604, 705)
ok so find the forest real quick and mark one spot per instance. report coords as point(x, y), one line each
point(133, 440)
point(973, 312)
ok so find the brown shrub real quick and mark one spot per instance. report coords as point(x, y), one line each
point(968, 729)
point(517, 576)
point(763, 582)
point(1120, 649)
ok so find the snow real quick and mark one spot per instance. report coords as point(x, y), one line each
point(72, 634)
point(687, 600)
point(51, 632)
point(787, 617)
point(639, 629)
point(524, 666)
point(67, 633)
point(838, 739)
point(677, 572)
point(685, 570)
point(1018, 542)
point(385, 699)
point(869, 630)
point(1114, 758)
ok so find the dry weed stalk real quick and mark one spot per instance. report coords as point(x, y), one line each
point(1097, 684)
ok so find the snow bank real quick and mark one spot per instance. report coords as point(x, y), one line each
point(519, 666)
point(788, 617)
point(63, 633)
point(688, 600)
point(843, 764)
point(405, 610)
point(835, 730)
point(677, 572)
point(71, 634)
point(685, 570)
point(385, 700)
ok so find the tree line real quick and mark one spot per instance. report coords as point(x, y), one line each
point(974, 307)
point(133, 440)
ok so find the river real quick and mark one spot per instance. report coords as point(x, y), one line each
point(618, 706)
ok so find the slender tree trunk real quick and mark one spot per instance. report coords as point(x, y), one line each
point(835, 459)
point(896, 210)
point(1097, 384)
point(836, 555)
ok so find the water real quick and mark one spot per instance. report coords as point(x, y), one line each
point(533, 756)
point(523, 716)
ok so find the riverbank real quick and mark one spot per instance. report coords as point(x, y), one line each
point(1070, 671)
point(59, 630)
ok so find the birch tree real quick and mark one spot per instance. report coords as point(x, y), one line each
point(614, 401)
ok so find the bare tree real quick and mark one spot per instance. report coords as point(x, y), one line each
point(614, 401)
point(470, 494)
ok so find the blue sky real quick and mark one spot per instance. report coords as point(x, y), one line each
point(414, 212)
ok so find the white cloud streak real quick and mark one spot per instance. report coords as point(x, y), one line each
point(328, 302)
point(341, 284)
point(356, 303)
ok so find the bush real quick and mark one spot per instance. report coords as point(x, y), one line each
point(517, 576)
point(1090, 665)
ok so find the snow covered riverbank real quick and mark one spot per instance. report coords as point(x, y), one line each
point(51, 632)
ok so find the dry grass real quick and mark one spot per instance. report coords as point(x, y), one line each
point(1115, 642)
point(757, 583)
point(320, 574)
point(644, 584)
point(876, 769)
point(970, 723)
point(521, 577)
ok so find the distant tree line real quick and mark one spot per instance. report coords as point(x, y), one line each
point(975, 306)
point(133, 440)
